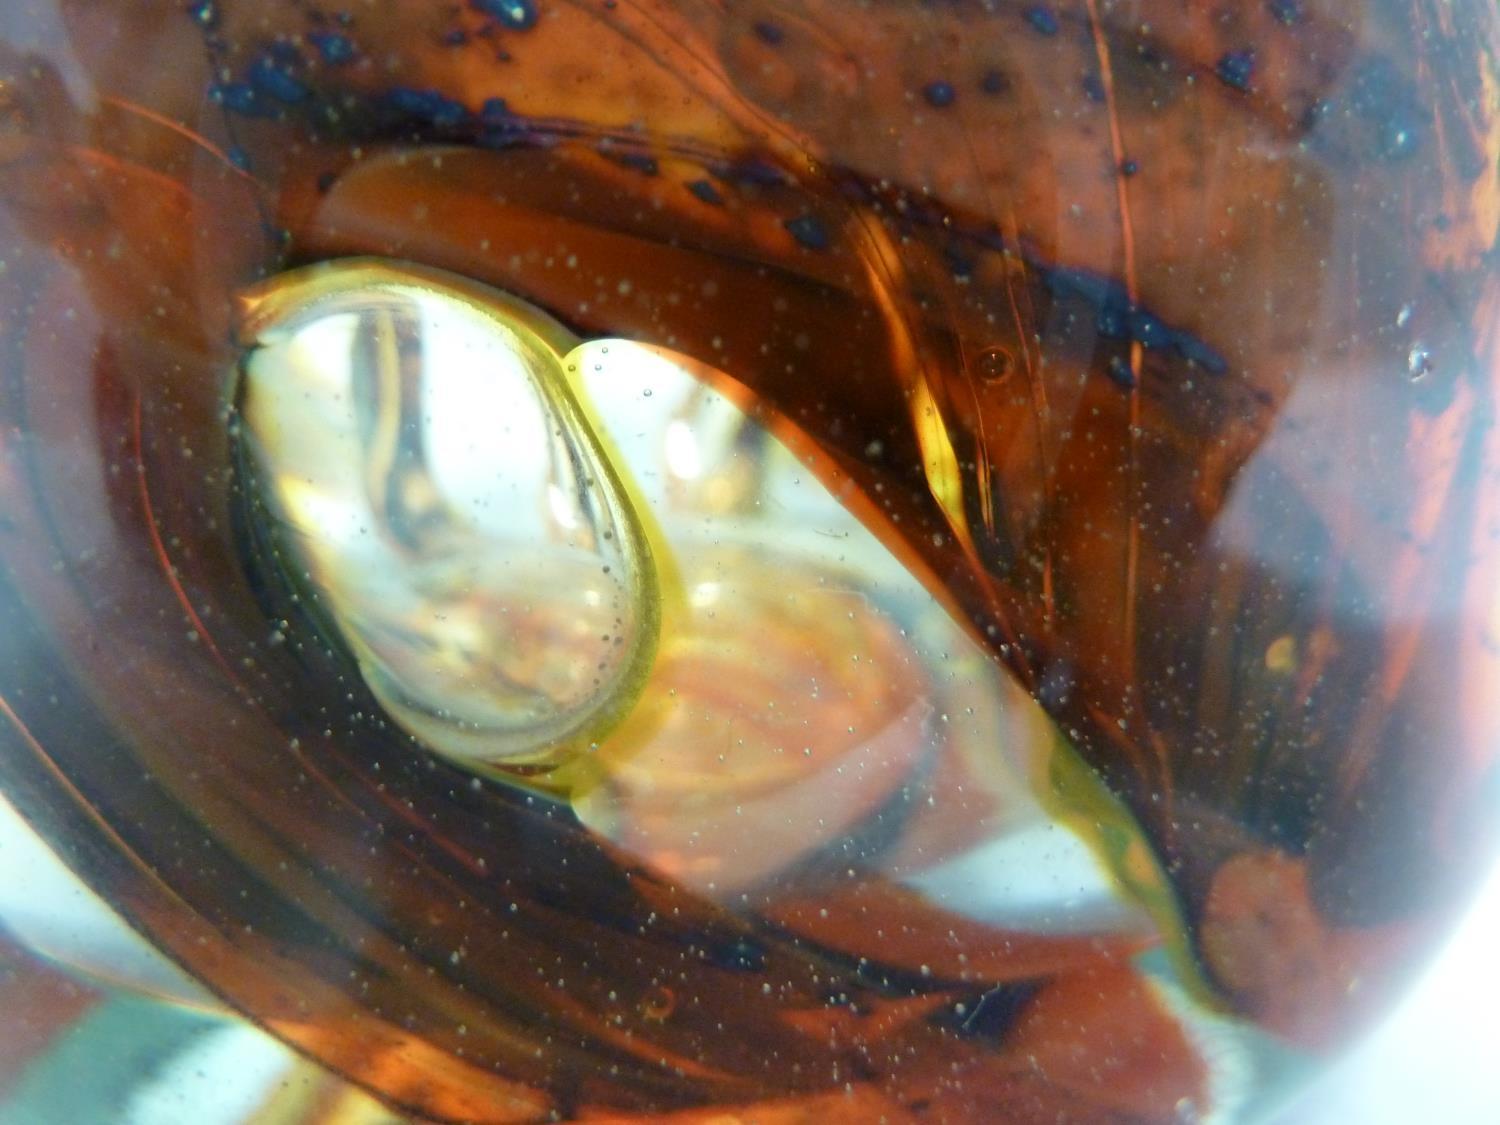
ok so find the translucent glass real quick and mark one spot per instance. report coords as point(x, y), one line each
point(891, 560)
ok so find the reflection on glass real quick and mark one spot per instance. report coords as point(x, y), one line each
point(933, 562)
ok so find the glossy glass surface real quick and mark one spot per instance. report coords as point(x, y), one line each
point(1148, 351)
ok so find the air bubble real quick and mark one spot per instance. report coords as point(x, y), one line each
point(426, 470)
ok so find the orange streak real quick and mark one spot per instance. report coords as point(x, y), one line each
point(160, 549)
point(1132, 291)
point(176, 127)
point(129, 168)
point(116, 841)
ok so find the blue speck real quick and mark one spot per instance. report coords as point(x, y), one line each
point(1116, 318)
point(1236, 68)
point(499, 128)
point(239, 158)
point(335, 47)
point(1112, 321)
point(629, 158)
point(240, 98)
point(809, 231)
point(769, 33)
point(275, 81)
point(429, 106)
point(1129, 167)
point(744, 956)
point(751, 171)
point(206, 12)
point(1093, 88)
point(1287, 12)
point(1042, 19)
point(994, 81)
point(518, 15)
point(1064, 281)
point(960, 262)
point(1148, 329)
point(507, 136)
point(705, 190)
point(939, 95)
point(1195, 351)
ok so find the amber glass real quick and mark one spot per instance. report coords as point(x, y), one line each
point(1163, 339)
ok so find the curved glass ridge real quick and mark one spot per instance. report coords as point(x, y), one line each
point(1046, 662)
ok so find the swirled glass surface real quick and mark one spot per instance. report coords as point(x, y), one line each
point(907, 561)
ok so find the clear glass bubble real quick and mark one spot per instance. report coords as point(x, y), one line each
point(423, 472)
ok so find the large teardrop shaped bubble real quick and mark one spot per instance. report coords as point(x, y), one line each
point(432, 484)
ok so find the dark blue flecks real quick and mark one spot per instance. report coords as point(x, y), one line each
point(498, 127)
point(274, 80)
point(428, 106)
point(1385, 98)
point(516, 135)
point(990, 1015)
point(705, 191)
point(1042, 19)
point(633, 159)
point(1236, 68)
point(1196, 352)
point(750, 171)
point(960, 262)
point(494, 112)
point(333, 47)
point(1112, 320)
point(994, 82)
point(744, 955)
point(1129, 167)
point(518, 15)
point(1148, 329)
point(769, 33)
point(1116, 317)
point(1093, 88)
point(809, 231)
point(241, 98)
point(1288, 12)
point(939, 95)
point(239, 158)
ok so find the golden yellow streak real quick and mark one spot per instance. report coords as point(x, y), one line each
point(939, 460)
